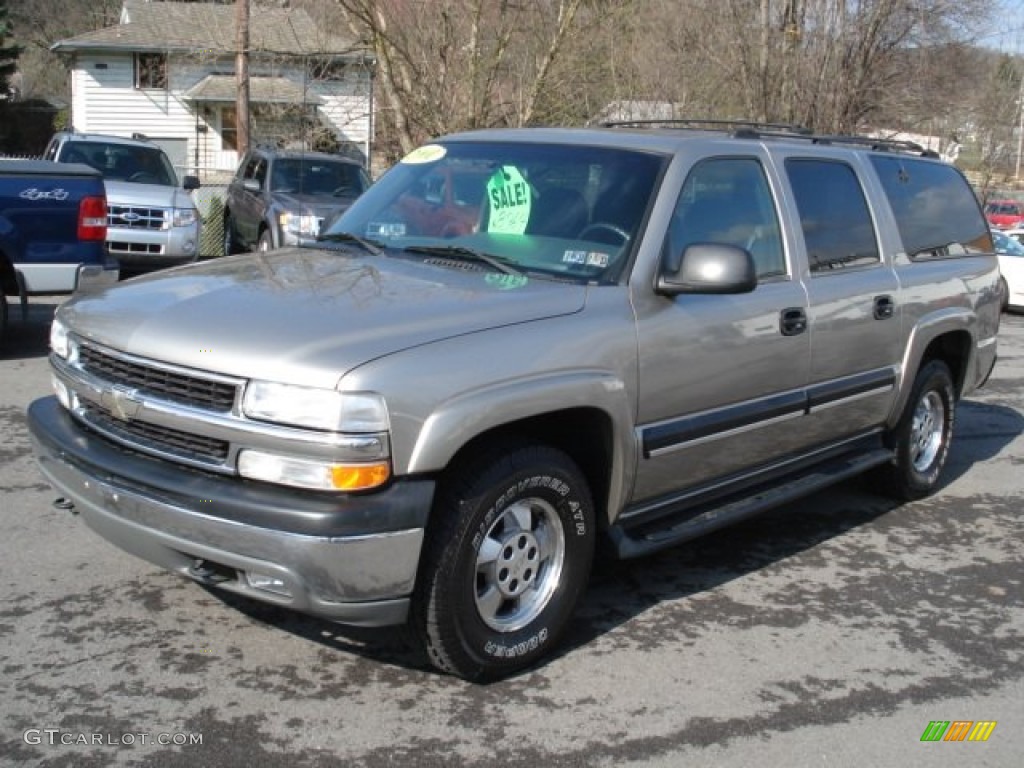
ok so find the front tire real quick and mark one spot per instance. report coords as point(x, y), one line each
point(266, 242)
point(230, 243)
point(506, 560)
point(922, 437)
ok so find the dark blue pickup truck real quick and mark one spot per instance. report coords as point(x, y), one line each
point(53, 227)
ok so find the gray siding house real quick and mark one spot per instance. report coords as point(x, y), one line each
point(167, 70)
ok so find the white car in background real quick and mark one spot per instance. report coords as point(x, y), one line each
point(1010, 252)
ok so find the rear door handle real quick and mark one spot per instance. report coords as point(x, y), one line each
point(792, 321)
point(885, 307)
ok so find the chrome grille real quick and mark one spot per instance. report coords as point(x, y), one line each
point(166, 384)
point(155, 437)
point(136, 217)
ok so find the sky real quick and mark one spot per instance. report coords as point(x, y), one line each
point(1008, 31)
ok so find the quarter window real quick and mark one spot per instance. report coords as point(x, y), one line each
point(834, 215)
point(936, 213)
point(151, 70)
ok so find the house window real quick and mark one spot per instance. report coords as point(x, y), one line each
point(228, 128)
point(151, 70)
point(328, 70)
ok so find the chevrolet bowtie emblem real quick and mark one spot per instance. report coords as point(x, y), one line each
point(122, 403)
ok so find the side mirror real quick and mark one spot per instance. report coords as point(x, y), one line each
point(709, 268)
point(251, 185)
point(190, 183)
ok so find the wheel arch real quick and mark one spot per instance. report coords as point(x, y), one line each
point(584, 434)
point(586, 415)
point(948, 337)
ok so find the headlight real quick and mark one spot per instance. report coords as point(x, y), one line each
point(325, 409)
point(303, 224)
point(59, 339)
point(312, 473)
point(184, 217)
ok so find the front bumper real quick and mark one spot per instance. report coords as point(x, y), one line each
point(154, 248)
point(352, 559)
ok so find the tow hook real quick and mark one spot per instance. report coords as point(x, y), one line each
point(65, 505)
point(207, 572)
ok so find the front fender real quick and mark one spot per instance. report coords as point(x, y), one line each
point(461, 419)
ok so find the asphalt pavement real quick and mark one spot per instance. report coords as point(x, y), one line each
point(832, 632)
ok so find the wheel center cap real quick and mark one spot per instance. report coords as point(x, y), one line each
point(517, 564)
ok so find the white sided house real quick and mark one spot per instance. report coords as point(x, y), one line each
point(167, 71)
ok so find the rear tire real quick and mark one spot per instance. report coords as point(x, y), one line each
point(1006, 293)
point(507, 556)
point(923, 435)
point(3, 314)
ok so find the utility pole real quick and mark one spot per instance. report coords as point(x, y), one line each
point(242, 74)
point(1020, 126)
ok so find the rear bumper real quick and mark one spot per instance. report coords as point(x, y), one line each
point(350, 559)
point(38, 279)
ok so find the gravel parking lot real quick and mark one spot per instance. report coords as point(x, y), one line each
point(828, 633)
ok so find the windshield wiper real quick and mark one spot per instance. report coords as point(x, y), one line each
point(466, 254)
point(370, 246)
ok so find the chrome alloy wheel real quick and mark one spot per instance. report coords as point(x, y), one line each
point(519, 564)
point(927, 431)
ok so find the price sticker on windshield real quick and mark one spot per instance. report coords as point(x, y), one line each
point(509, 198)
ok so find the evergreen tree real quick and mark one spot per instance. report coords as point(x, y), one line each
point(8, 52)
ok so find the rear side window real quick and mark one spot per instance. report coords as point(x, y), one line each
point(936, 213)
point(834, 215)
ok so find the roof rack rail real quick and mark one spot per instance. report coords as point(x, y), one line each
point(882, 145)
point(697, 123)
point(752, 129)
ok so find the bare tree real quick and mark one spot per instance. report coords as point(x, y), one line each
point(458, 64)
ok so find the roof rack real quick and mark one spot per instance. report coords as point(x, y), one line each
point(715, 125)
point(752, 129)
point(882, 145)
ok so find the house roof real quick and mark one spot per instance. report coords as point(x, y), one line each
point(263, 90)
point(210, 28)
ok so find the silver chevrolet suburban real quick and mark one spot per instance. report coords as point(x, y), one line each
point(519, 344)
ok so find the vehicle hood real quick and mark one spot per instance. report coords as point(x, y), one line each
point(318, 205)
point(152, 195)
point(306, 316)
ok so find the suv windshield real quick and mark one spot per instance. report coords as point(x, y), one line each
point(317, 177)
point(569, 211)
point(122, 162)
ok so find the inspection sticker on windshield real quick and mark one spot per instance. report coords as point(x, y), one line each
point(508, 194)
point(585, 258)
point(385, 229)
point(428, 153)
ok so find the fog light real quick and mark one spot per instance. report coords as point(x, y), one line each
point(61, 390)
point(267, 583)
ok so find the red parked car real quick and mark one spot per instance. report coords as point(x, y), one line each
point(1005, 213)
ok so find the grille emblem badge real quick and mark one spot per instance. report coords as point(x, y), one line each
point(122, 403)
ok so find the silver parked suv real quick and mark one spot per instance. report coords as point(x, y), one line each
point(152, 221)
point(518, 345)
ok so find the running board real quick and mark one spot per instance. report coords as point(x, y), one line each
point(650, 537)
